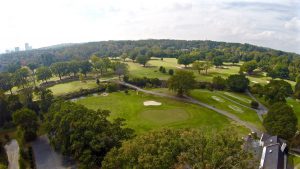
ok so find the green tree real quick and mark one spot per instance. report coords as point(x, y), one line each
point(184, 148)
point(219, 83)
point(142, 60)
point(249, 67)
point(199, 66)
point(73, 67)
point(84, 134)
point(237, 83)
point(182, 82)
point(27, 123)
point(6, 82)
point(33, 67)
point(171, 72)
point(21, 77)
point(120, 68)
point(207, 65)
point(281, 120)
point(217, 61)
point(43, 73)
point(85, 67)
point(277, 91)
point(185, 60)
point(46, 99)
point(297, 87)
point(59, 69)
point(124, 56)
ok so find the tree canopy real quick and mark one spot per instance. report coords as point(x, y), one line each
point(185, 148)
point(281, 121)
point(182, 82)
point(84, 134)
point(237, 83)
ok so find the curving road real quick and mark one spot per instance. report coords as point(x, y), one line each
point(12, 150)
point(47, 158)
point(194, 101)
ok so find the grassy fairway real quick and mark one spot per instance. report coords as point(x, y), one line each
point(144, 118)
point(64, 88)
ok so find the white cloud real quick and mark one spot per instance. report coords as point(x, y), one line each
point(271, 23)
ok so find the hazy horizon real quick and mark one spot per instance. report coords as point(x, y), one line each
point(268, 23)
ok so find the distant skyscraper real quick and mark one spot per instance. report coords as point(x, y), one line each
point(27, 47)
point(17, 49)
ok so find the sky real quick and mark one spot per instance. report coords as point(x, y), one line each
point(268, 23)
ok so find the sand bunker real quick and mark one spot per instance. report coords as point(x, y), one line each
point(179, 67)
point(216, 98)
point(235, 108)
point(104, 94)
point(151, 103)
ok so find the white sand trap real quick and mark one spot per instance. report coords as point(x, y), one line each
point(268, 81)
point(179, 67)
point(151, 103)
point(235, 108)
point(104, 94)
point(254, 81)
point(218, 99)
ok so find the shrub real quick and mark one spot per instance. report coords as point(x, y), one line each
point(163, 70)
point(112, 88)
point(171, 72)
point(254, 104)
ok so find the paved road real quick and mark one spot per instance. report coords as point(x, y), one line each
point(12, 150)
point(191, 100)
point(261, 108)
point(47, 158)
point(258, 111)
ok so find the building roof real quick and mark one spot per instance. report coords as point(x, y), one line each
point(272, 157)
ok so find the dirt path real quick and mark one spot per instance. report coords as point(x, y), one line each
point(47, 158)
point(192, 100)
point(12, 150)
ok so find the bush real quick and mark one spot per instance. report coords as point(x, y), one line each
point(143, 82)
point(112, 88)
point(125, 78)
point(160, 68)
point(254, 104)
point(163, 70)
point(171, 72)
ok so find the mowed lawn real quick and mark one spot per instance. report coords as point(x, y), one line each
point(220, 100)
point(225, 101)
point(171, 113)
point(152, 67)
point(74, 86)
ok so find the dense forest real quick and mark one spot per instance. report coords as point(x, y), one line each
point(268, 60)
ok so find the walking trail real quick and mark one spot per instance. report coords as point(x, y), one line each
point(47, 158)
point(12, 150)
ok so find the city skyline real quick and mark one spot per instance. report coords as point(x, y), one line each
point(268, 23)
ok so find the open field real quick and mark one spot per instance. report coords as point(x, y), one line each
point(220, 99)
point(171, 113)
point(151, 71)
point(63, 88)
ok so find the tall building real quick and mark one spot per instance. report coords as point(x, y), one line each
point(27, 47)
point(17, 49)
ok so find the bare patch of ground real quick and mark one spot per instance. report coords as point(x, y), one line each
point(151, 103)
